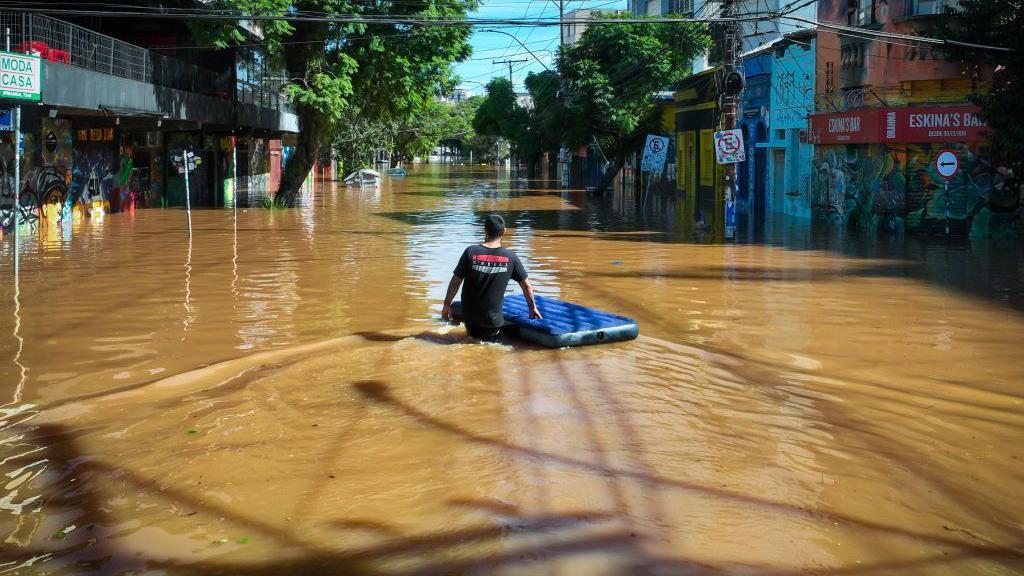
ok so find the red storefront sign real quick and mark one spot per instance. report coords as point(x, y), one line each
point(899, 125)
point(932, 124)
point(855, 127)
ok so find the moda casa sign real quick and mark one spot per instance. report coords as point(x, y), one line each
point(909, 124)
point(20, 76)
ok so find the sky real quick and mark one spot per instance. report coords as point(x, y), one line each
point(543, 41)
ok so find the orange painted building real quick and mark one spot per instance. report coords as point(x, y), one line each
point(884, 109)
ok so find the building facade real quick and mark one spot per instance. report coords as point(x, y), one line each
point(752, 205)
point(885, 110)
point(113, 116)
point(789, 151)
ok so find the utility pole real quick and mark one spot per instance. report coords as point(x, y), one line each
point(561, 23)
point(510, 63)
point(515, 162)
point(732, 95)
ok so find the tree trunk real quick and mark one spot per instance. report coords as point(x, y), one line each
point(609, 177)
point(301, 160)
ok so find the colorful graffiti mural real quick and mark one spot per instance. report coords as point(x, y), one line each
point(860, 186)
point(94, 179)
point(981, 199)
point(45, 175)
point(892, 188)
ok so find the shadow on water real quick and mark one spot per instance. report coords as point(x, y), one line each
point(990, 269)
point(75, 487)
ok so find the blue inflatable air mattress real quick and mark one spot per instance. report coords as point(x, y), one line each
point(564, 324)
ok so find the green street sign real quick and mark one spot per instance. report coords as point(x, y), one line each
point(20, 76)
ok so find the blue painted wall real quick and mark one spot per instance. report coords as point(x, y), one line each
point(792, 100)
point(751, 187)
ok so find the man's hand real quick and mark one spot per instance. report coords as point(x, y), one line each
point(453, 289)
point(447, 316)
point(535, 313)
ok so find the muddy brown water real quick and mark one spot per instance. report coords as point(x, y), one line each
point(278, 397)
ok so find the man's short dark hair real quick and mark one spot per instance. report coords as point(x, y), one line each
point(494, 226)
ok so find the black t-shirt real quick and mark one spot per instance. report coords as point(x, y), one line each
point(485, 273)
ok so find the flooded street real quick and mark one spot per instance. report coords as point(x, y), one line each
point(278, 396)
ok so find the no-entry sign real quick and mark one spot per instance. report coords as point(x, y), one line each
point(729, 146)
point(947, 163)
point(20, 76)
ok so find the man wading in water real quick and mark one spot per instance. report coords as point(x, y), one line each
point(486, 268)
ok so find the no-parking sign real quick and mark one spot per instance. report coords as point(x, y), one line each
point(655, 151)
point(729, 147)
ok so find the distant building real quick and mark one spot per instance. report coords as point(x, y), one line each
point(457, 95)
point(525, 100)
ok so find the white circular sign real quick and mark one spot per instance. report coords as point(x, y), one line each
point(947, 163)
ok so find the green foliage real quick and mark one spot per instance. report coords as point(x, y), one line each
point(488, 149)
point(994, 23)
point(613, 73)
point(604, 88)
point(340, 73)
point(499, 114)
point(359, 136)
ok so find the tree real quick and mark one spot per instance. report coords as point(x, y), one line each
point(994, 23)
point(612, 75)
point(499, 114)
point(343, 72)
point(530, 130)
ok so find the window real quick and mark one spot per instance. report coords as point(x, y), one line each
point(680, 6)
point(928, 7)
point(780, 134)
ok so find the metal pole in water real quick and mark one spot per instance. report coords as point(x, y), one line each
point(17, 180)
point(946, 190)
point(234, 173)
point(188, 193)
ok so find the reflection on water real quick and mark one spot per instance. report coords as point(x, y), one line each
point(797, 403)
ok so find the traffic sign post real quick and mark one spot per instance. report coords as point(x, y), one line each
point(655, 152)
point(729, 150)
point(947, 164)
point(729, 147)
point(186, 163)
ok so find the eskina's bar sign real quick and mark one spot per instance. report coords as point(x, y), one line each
point(909, 124)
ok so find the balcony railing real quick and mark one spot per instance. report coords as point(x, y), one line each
point(78, 46)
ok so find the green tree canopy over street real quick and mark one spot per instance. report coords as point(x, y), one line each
point(376, 74)
point(994, 23)
point(604, 89)
point(612, 75)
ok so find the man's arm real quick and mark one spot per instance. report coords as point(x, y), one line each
point(528, 293)
point(453, 289)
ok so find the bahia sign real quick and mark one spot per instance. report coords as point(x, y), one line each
point(20, 76)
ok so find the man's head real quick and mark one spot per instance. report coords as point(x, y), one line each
point(494, 227)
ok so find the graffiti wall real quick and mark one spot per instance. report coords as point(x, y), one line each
point(860, 186)
point(94, 174)
point(45, 174)
point(896, 187)
point(981, 199)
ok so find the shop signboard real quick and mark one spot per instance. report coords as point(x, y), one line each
point(853, 127)
point(20, 76)
point(916, 124)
